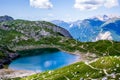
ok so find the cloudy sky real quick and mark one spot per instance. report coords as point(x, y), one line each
point(67, 10)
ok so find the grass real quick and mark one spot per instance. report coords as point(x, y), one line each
point(109, 63)
point(6, 37)
point(2, 55)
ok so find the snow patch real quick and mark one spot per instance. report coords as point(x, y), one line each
point(71, 25)
point(104, 36)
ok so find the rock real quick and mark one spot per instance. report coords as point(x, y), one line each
point(62, 31)
point(9, 56)
point(13, 56)
point(1, 66)
point(6, 61)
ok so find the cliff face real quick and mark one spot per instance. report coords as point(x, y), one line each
point(62, 31)
point(6, 56)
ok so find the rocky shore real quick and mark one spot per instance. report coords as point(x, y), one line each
point(8, 73)
point(8, 56)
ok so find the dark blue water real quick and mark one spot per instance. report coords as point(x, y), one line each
point(44, 61)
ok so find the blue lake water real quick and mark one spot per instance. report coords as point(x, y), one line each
point(43, 61)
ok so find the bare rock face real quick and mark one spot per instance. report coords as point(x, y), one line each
point(5, 18)
point(9, 56)
point(61, 31)
point(1, 66)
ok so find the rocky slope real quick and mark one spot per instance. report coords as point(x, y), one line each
point(6, 56)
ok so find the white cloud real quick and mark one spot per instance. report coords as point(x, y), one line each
point(41, 3)
point(94, 4)
point(50, 15)
point(111, 3)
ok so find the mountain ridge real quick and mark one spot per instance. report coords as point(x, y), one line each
point(91, 28)
point(6, 18)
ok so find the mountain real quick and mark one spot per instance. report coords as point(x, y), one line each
point(103, 17)
point(34, 29)
point(5, 18)
point(106, 17)
point(86, 30)
point(110, 30)
point(112, 25)
point(93, 29)
point(82, 30)
point(63, 24)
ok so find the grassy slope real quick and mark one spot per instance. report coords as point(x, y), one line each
point(6, 37)
point(81, 70)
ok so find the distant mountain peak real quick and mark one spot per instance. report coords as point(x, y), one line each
point(105, 17)
point(58, 21)
point(5, 18)
point(61, 23)
point(101, 17)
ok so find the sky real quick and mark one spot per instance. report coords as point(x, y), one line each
point(67, 10)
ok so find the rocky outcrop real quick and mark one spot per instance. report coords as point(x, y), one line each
point(5, 18)
point(1, 66)
point(9, 56)
point(62, 32)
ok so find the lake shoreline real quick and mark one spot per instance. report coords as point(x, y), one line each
point(9, 73)
point(23, 73)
